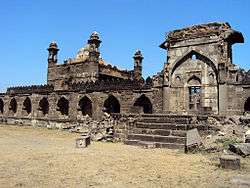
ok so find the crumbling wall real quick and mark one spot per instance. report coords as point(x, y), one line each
point(60, 76)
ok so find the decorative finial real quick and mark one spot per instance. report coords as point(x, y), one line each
point(94, 39)
point(138, 54)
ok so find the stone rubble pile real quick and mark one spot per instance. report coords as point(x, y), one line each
point(231, 130)
point(102, 130)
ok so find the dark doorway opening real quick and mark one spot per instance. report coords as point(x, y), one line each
point(144, 103)
point(85, 105)
point(44, 106)
point(111, 105)
point(247, 105)
point(1, 106)
point(13, 105)
point(63, 106)
point(27, 105)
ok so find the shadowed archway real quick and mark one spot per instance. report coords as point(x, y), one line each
point(247, 105)
point(111, 105)
point(63, 106)
point(13, 105)
point(1, 106)
point(144, 103)
point(44, 106)
point(85, 105)
point(27, 105)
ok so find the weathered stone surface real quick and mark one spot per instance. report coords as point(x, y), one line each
point(193, 139)
point(198, 78)
point(242, 149)
point(230, 162)
point(247, 136)
point(241, 181)
point(83, 142)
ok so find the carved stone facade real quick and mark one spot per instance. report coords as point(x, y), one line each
point(198, 78)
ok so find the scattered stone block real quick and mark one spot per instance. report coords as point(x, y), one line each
point(230, 162)
point(193, 140)
point(241, 181)
point(83, 142)
point(98, 137)
point(247, 137)
point(242, 149)
point(247, 140)
point(147, 145)
point(220, 133)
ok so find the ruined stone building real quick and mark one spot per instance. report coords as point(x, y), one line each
point(198, 77)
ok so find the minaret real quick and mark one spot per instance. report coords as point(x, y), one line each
point(94, 43)
point(94, 39)
point(138, 65)
point(53, 50)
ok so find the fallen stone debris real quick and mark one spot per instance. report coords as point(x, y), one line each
point(83, 142)
point(97, 130)
point(242, 149)
point(193, 140)
point(224, 132)
point(230, 162)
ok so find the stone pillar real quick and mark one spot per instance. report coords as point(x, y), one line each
point(222, 99)
point(165, 98)
point(138, 65)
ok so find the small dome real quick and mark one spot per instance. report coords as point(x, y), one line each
point(53, 45)
point(94, 35)
point(83, 53)
point(138, 52)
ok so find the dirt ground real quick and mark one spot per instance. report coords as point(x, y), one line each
point(37, 157)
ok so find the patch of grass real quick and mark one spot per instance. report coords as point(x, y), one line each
point(226, 141)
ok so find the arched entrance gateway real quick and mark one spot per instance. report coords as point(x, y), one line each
point(111, 105)
point(27, 105)
point(63, 106)
point(85, 105)
point(144, 103)
point(193, 84)
point(44, 106)
point(247, 105)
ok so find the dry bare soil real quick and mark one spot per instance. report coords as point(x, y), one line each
point(37, 157)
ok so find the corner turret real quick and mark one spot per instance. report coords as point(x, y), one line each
point(53, 50)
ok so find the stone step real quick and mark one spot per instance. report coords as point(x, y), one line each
point(157, 144)
point(131, 142)
point(166, 120)
point(157, 125)
point(157, 138)
point(162, 132)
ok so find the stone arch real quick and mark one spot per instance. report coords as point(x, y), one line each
point(85, 105)
point(199, 56)
point(144, 102)
point(194, 80)
point(27, 105)
point(1, 106)
point(44, 105)
point(13, 105)
point(247, 105)
point(111, 105)
point(63, 106)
